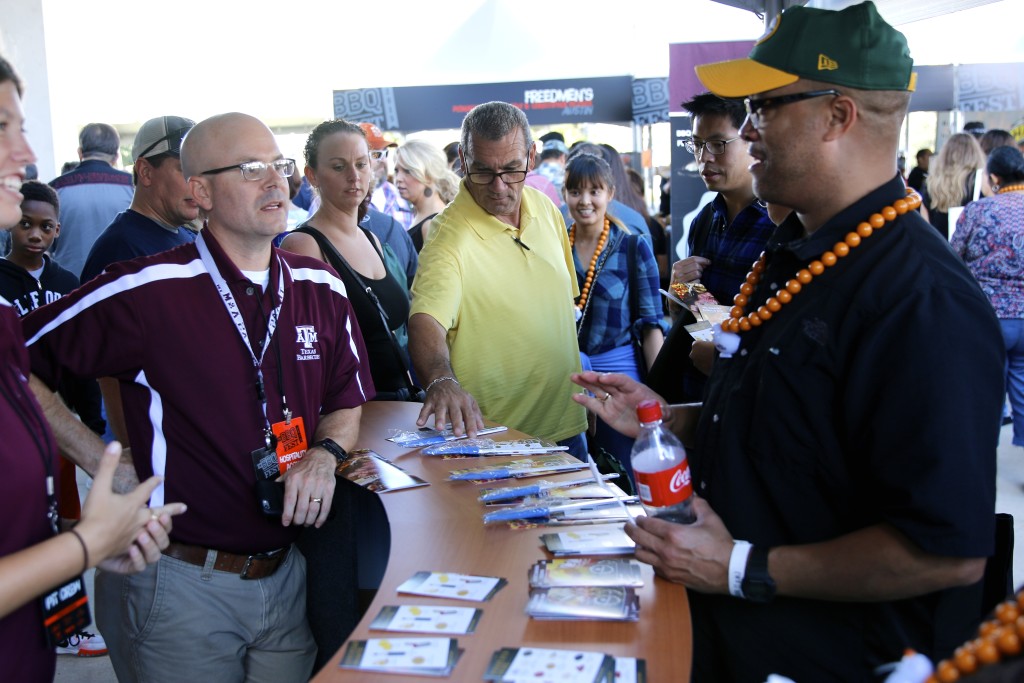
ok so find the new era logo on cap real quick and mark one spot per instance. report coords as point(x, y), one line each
point(826, 64)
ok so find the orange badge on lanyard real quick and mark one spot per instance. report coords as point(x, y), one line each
point(291, 442)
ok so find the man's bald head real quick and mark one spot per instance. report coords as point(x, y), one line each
point(249, 207)
point(212, 142)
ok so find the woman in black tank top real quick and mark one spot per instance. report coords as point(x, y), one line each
point(338, 166)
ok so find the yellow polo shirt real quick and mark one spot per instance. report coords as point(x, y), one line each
point(508, 311)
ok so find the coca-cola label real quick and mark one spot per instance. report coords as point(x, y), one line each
point(665, 488)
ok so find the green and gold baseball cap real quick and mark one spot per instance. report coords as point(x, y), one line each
point(854, 47)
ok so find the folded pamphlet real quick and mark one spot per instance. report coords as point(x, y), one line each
point(416, 656)
point(543, 665)
point(376, 473)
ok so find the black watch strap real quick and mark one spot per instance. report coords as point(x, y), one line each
point(758, 585)
point(332, 447)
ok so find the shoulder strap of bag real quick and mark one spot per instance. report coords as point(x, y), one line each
point(634, 302)
point(634, 294)
point(338, 262)
point(701, 229)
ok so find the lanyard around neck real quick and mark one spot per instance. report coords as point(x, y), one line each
point(40, 434)
point(231, 306)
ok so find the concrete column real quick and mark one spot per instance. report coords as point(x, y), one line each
point(23, 44)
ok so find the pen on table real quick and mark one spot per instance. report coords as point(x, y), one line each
point(470, 449)
point(544, 510)
point(503, 473)
point(508, 473)
point(511, 492)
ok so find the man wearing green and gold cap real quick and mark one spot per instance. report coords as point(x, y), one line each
point(844, 456)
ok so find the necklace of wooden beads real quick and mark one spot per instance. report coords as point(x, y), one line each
point(1011, 188)
point(585, 290)
point(997, 638)
point(740, 321)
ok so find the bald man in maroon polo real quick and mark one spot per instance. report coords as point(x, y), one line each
point(217, 346)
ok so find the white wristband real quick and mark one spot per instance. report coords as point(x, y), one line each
point(738, 567)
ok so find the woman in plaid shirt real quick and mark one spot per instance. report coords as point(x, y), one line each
point(604, 322)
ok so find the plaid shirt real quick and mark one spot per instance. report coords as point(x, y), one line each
point(606, 323)
point(732, 249)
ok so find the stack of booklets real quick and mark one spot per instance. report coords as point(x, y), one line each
point(585, 589)
point(416, 656)
point(586, 571)
point(584, 603)
point(600, 539)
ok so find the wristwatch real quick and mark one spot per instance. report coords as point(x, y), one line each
point(758, 585)
point(332, 447)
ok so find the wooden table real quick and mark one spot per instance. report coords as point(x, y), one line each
point(439, 528)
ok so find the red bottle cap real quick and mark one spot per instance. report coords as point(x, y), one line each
point(648, 411)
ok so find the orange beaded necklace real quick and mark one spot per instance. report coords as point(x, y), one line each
point(585, 290)
point(997, 638)
point(740, 321)
point(1011, 188)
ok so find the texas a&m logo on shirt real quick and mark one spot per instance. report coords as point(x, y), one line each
point(305, 335)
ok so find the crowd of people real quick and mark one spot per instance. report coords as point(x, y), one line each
point(517, 281)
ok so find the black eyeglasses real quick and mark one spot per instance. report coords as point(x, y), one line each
point(257, 170)
point(696, 146)
point(487, 177)
point(757, 108)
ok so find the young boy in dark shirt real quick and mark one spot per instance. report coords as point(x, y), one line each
point(29, 278)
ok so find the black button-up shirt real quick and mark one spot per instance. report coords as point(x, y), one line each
point(873, 396)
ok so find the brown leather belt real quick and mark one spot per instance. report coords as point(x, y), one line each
point(256, 566)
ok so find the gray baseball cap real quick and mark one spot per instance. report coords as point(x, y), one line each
point(161, 135)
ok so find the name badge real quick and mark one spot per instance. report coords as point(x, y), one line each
point(65, 611)
point(291, 442)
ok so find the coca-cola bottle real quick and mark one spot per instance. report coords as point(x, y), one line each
point(660, 468)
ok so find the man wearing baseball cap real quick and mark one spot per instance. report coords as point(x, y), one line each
point(162, 201)
point(844, 455)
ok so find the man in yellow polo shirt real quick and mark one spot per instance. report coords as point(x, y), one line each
point(492, 330)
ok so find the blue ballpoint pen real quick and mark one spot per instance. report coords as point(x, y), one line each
point(543, 510)
point(513, 492)
point(503, 473)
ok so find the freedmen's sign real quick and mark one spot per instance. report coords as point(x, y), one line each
point(577, 100)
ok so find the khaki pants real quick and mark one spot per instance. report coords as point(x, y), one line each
point(179, 622)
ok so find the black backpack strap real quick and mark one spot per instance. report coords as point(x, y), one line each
point(634, 302)
point(634, 294)
point(700, 230)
